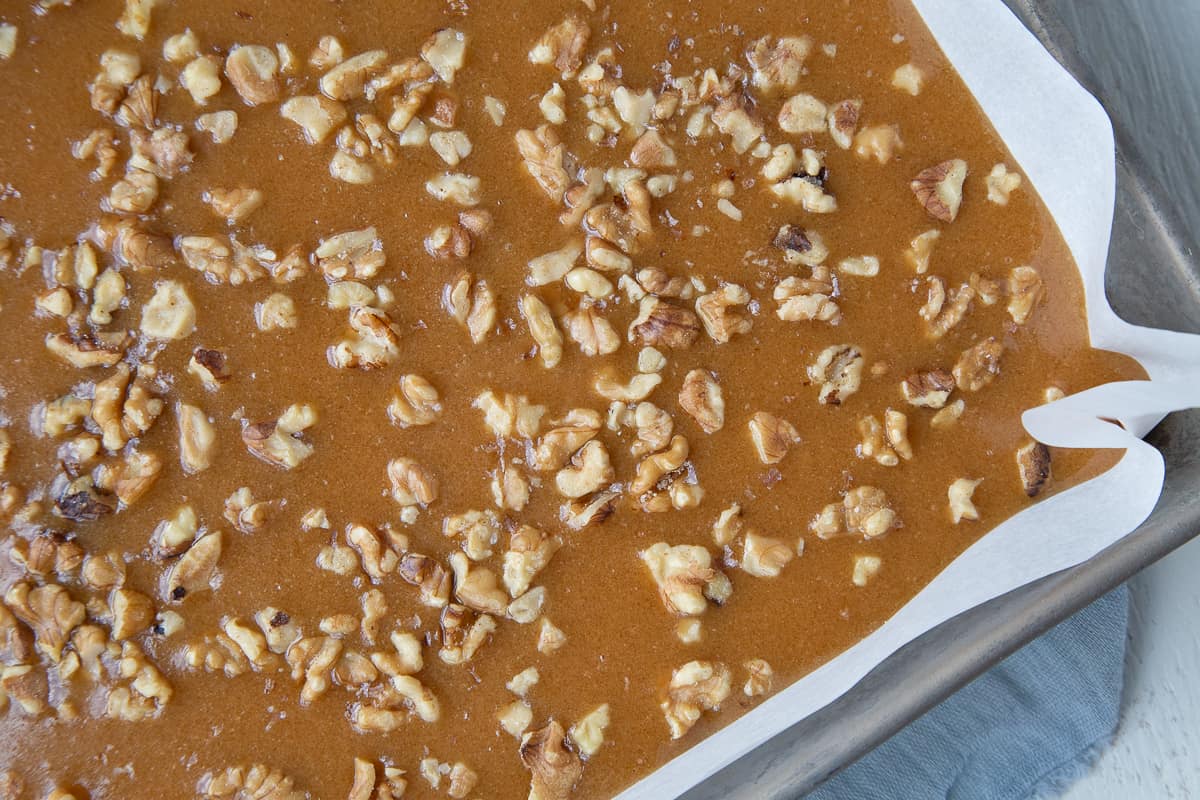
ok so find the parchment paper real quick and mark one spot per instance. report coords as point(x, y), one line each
point(1063, 141)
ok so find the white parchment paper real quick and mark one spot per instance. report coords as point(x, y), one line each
point(1063, 141)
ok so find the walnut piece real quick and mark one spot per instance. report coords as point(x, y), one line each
point(929, 389)
point(764, 557)
point(716, 312)
point(773, 437)
point(253, 70)
point(662, 324)
point(415, 403)
point(939, 189)
point(282, 442)
point(1025, 291)
point(960, 496)
point(758, 677)
point(700, 396)
point(590, 470)
point(696, 687)
point(1033, 465)
point(839, 370)
point(686, 578)
point(978, 365)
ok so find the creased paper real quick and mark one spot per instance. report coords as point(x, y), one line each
point(1063, 141)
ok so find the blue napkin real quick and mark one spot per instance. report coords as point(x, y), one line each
point(1033, 719)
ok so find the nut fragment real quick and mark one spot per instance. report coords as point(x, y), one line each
point(412, 484)
point(939, 189)
point(929, 389)
point(839, 370)
point(472, 304)
point(865, 568)
point(700, 396)
point(1025, 291)
point(197, 438)
point(716, 312)
point(696, 687)
point(554, 767)
point(685, 578)
point(662, 324)
point(1033, 465)
point(590, 471)
point(758, 677)
point(1001, 184)
point(169, 314)
point(869, 512)
point(49, 611)
point(195, 568)
point(254, 72)
point(960, 495)
point(588, 732)
point(764, 557)
point(282, 442)
point(979, 365)
point(772, 437)
point(416, 402)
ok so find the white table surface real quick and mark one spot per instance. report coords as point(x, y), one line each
point(1156, 752)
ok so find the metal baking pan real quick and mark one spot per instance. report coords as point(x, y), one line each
point(1137, 56)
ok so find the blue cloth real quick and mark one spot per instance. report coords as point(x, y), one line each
point(1033, 718)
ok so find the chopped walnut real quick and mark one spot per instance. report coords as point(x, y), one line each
point(778, 64)
point(245, 513)
point(234, 205)
point(979, 365)
point(210, 367)
point(764, 557)
point(1001, 184)
point(909, 78)
point(939, 189)
point(696, 687)
point(1025, 291)
point(921, 250)
point(589, 329)
point(202, 78)
point(961, 504)
point(281, 442)
point(351, 254)
point(415, 403)
point(50, 612)
point(429, 576)
point(715, 311)
point(839, 370)
point(759, 675)
point(685, 578)
point(843, 122)
point(412, 484)
point(1033, 466)
point(555, 768)
point(808, 299)
point(865, 568)
point(254, 72)
point(803, 113)
point(929, 389)
point(195, 568)
point(509, 415)
point(378, 556)
point(454, 187)
point(565, 437)
point(550, 638)
point(472, 304)
point(445, 51)
point(220, 125)
point(373, 344)
point(256, 781)
point(562, 46)
point(317, 116)
point(868, 511)
point(700, 396)
point(462, 636)
point(588, 732)
point(661, 324)
point(773, 437)
point(515, 718)
point(197, 438)
point(590, 470)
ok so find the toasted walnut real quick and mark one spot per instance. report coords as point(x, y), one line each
point(808, 299)
point(462, 636)
point(1001, 184)
point(541, 326)
point(351, 254)
point(565, 437)
point(176, 534)
point(136, 193)
point(412, 484)
point(446, 52)
point(429, 576)
point(234, 205)
point(590, 471)
point(562, 45)
point(220, 125)
point(257, 781)
point(476, 531)
point(472, 304)
point(929, 389)
point(317, 116)
point(696, 687)
point(593, 333)
point(254, 72)
point(865, 568)
point(939, 189)
point(1025, 291)
point(197, 438)
point(803, 113)
point(843, 122)
point(209, 366)
point(700, 396)
point(529, 551)
point(715, 311)
point(416, 402)
point(509, 415)
point(654, 467)
point(778, 64)
point(276, 312)
point(202, 78)
point(373, 344)
point(245, 513)
point(839, 370)
point(195, 568)
point(88, 350)
point(921, 250)
point(909, 78)
point(948, 416)
point(1033, 466)
point(588, 732)
point(764, 557)
point(282, 442)
point(477, 587)
point(941, 316)
point(378, 557)
point(543, 155)
point(555, 265)
point(759, 675)
point(661, 324)
point(979, 365)
point(50, 612)
point(772, 437)
point(685, 578)
point(555, 768)
point(868, 511)
point(960, 495)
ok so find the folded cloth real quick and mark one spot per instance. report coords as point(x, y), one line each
point(1033, 719)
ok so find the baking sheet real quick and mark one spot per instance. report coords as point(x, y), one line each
point(1062, 139)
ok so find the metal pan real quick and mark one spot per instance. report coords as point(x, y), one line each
point(1136, 57)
